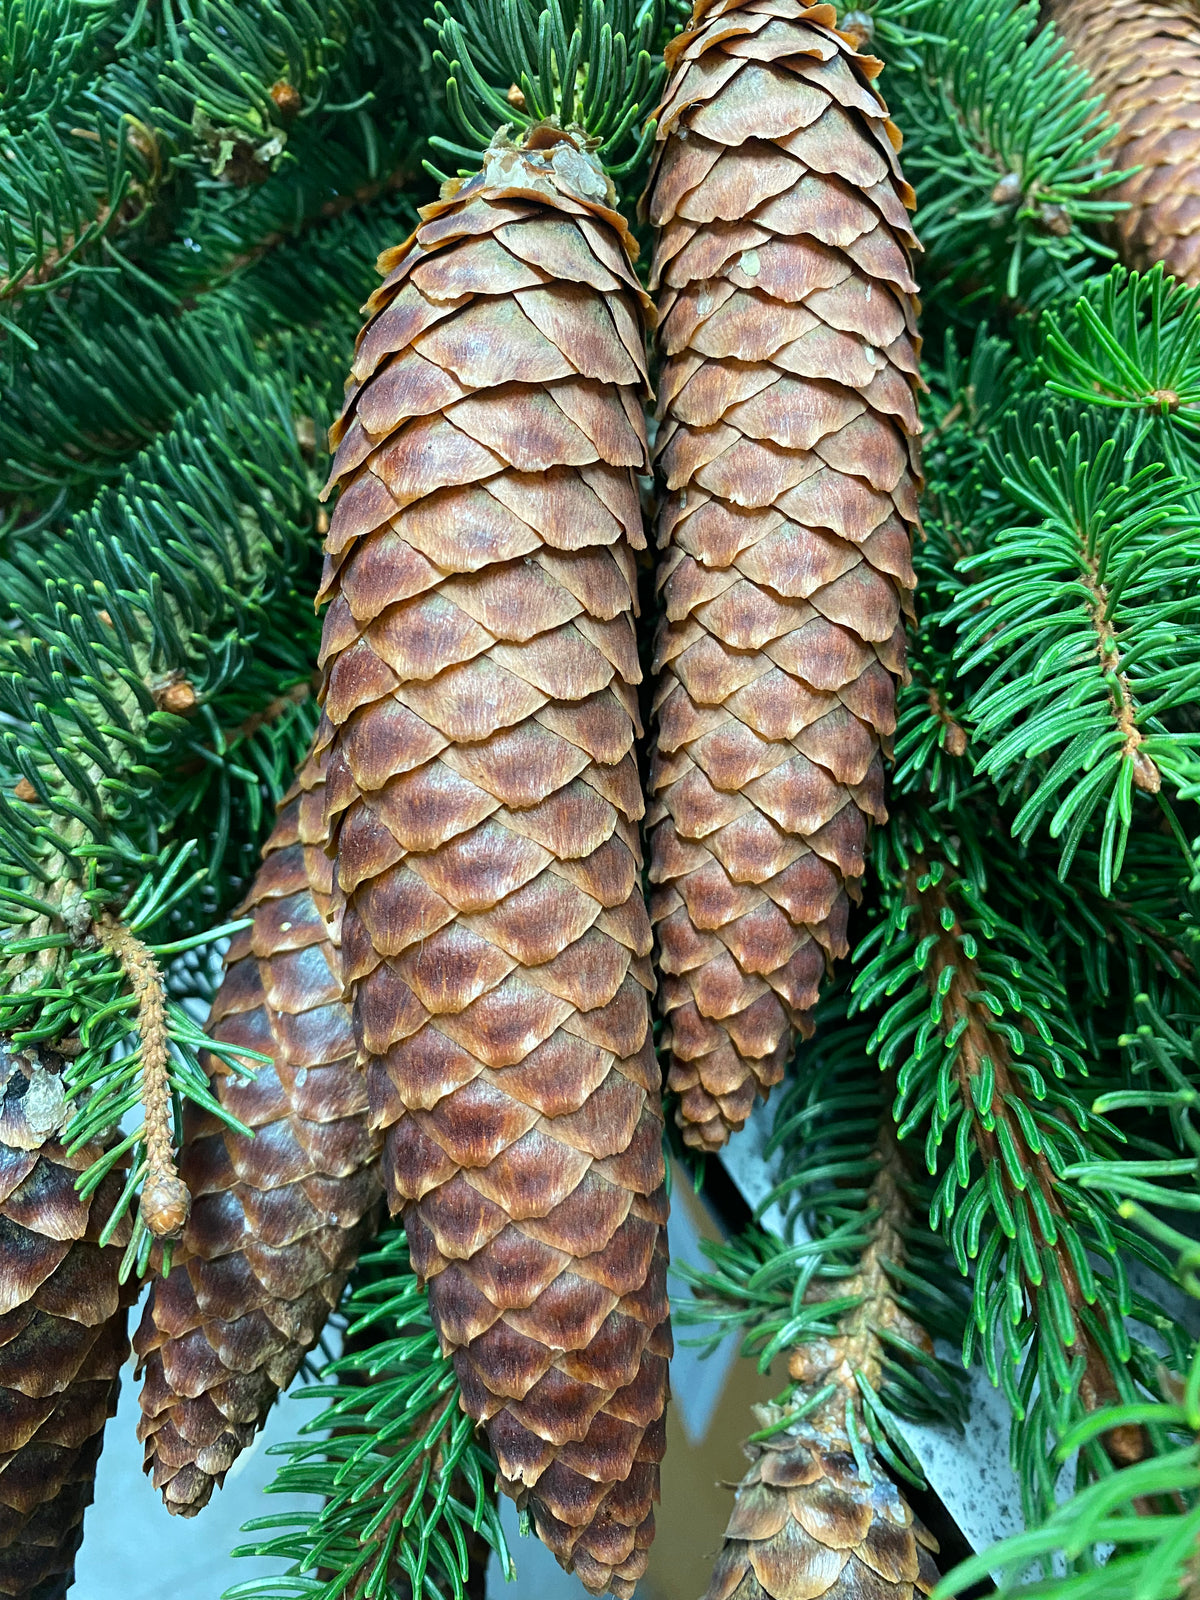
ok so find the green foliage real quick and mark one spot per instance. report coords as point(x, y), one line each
point(406, 1489)
point(1004, 146)
point(590, 63)
point(1087, 612)
point(1124, 1549)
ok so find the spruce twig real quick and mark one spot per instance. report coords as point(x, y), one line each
point(165, 1202)
point(983, 1066)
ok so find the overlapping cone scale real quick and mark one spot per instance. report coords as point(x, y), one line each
point(278, 1219)
point(1145, 61)
point(789, 463)
point(479, 698)
point(807, 1525)
point(63, 1333)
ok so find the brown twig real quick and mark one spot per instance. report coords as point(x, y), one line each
point(955, 739)
point(363, 195)
point(858, 1346)
point(1146, 775)
point(165, 1202)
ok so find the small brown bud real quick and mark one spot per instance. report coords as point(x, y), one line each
point(24, 790)
point(165, 1204)
point(143, 139)
point(955, 740)
point(1008, 190)
point(515, 97)
point(1055, 220)
point(286, 97)
point(306, 434)
point(1146, 775)
point(322, 521)
point(105, 619)
point(857, 28)
point(1165, 397)
point(178, 697)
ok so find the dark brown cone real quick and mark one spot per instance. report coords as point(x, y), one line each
point(62, 1333)
point(807, 1525)
point(1145, 61)
point(277, 1220)
point(480, 666)
point(788, 450)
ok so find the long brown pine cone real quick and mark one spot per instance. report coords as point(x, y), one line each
point(277, 1220)
point(63, 1332)
point(808, 1523)
point(479, 698)
point(1145, 61)
point(788, 449)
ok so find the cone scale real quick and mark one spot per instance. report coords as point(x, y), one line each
point(480, 713)
point(787, 450)
point(277, 1220)
point(63, 1341)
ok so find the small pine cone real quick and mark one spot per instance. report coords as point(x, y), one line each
point(1145, 62)
point(788, 450)
point(480, 702)
point(806, 1525)
point(64, 1336)
point(277, 1221)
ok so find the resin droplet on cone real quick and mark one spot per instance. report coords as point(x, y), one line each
point(788, 452)
point(64, 1341)
point(277, 1220)
point(481, 710)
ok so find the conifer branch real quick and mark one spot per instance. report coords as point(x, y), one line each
point(1086, 615)
point(853, 1294)
point(580, 63)
point(1003, 1132)
point(1003, 142)
point(975, 1022)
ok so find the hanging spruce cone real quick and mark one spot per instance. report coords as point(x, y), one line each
point(1145, 62)
point(277, 1220)
point(807, 1522)
point(64, 1333)
point(788, 451)
point(480, 670)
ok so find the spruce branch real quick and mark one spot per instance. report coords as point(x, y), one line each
point(1135, 1530)
point(1133, 1534)
point(580, 63)
point(1003, 142)
point(165, 1202)
point(853, 1294)
point(1082, 604)
point(973, 1018)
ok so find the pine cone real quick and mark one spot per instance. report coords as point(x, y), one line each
point(64, 1339)
point(1145, 61)
point(480, 669)
point(277, 1220)
point(788, 448)
point(807, 1525)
